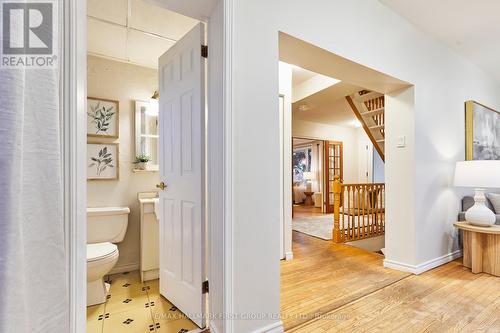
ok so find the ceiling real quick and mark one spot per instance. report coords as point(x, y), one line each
point(470, 28)
point(300, 75)
point(200, 9)
point(328, 106)
point(300, 141)
point(133, 31)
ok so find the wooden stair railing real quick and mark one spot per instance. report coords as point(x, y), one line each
point(369, 108)
point(359, 211)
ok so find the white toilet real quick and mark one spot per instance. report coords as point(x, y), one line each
point(105, 226)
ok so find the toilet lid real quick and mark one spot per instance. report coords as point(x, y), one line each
point(100, 251)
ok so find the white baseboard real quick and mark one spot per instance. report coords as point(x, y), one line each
point(276, 327)
point(425, 266)
point(125, 268)
point(289, 255)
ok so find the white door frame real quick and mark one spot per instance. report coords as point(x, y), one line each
point(73, 120)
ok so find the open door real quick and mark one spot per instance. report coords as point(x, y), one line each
point(182, 160)
point(334, 165)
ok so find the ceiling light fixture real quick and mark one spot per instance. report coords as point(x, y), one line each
point(303, 107)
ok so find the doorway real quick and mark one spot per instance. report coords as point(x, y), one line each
point(347, 118)
point(130, 284)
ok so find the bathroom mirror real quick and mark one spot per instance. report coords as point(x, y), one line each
point(146, 131)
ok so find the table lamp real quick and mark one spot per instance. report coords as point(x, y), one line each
point(481, 175)
point(308, 176)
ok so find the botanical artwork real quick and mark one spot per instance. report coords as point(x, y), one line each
point(102, 161)
point(102, 118)
point(482, 132)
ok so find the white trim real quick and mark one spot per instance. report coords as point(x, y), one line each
point(276, 327)
point(213, 328)
point(289, 255)
point(228, 49)
point(135, 266)
point(73, 115)
point(423, 267)
point(74, 140)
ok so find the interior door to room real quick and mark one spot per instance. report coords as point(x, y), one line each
point(182, 156)
point(334, 165)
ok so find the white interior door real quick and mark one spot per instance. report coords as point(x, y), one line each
point(182, 160)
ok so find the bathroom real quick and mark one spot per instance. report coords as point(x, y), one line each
point(125, 39)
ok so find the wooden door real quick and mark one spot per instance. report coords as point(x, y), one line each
point(334, 165)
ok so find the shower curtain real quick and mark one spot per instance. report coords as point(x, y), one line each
point(33, 264)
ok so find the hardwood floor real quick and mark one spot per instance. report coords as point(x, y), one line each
point(324, 276)
point(365, 297)
point(306, 211)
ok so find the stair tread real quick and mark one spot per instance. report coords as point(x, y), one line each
point(367, 97)
point(376, 127)
point(373, 112)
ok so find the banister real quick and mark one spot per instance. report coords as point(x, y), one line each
point(359, 210)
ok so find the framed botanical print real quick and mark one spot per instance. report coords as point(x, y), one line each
point(102, 161)
point(102, 118)
point(482, 132)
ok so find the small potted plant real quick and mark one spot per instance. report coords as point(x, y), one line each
point(141, 162)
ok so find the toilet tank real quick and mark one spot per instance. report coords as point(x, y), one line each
point(107, 224)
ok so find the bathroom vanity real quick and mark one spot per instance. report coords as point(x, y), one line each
point(150, 234)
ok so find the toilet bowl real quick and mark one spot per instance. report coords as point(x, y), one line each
point(105, 226)
point(101, 258)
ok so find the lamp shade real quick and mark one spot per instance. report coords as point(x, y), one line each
point(484, 174)
point(309, 175)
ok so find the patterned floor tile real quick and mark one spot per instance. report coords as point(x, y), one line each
point(163, 310)
point(94, 326)
point(126, 284)
point(153, 287)
point(175, 326)
point(124, 302)
point(134, 321)
point(133, 306)
point(95, 313)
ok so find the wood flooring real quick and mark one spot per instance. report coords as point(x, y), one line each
point(336, 288)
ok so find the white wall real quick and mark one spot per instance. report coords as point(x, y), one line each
point(125, 83)
point(434, 130)
point(378, 168)
point(365, 157)
point(348, 136)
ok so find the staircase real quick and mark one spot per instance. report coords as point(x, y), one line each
point(368, 106)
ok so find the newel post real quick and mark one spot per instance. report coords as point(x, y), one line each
point(337, 189)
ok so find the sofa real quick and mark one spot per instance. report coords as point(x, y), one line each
point(468, 202)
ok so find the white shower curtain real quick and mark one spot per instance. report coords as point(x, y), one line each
point(33, 263)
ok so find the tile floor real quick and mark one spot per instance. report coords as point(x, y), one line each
point(136, 307)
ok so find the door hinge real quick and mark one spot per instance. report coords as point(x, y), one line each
point(204, 287)
point(204, 51)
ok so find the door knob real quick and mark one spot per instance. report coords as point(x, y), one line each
point(161, 186)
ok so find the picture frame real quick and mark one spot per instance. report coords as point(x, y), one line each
point(482, 132)
point(103, 118)
point(103, 161)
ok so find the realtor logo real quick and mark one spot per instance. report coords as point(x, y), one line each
point(28, 34)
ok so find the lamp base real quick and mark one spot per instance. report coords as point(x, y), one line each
point(479, 214)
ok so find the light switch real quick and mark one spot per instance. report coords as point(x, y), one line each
point(401, 141)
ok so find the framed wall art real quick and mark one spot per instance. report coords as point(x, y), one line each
point(103, 161)
point(482, 132)
point(102, 118)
